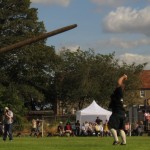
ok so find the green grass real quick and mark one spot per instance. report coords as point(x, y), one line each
point(74, 143)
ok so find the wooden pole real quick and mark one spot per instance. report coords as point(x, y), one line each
point(37, 38)
point(42, 127)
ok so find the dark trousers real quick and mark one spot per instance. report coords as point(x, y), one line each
point(77, 131)
point(7, 132)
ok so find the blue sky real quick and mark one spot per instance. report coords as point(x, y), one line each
point(120, 26)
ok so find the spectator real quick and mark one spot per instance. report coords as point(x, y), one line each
point(106, 131)
point(33, 128)
point(83, 130)
point(60, 129)
point(38, 125)
point(86, 126)
point(135, 129)
point(8, 120)
point(101, 129)
point(68, 129)
point(73, 127)
point(98, 129)
point(77, 126)
point(147, 115)
point(140, 128)
point(147, 119)
point(98, 121)
point(127, 128)
point(90, 129)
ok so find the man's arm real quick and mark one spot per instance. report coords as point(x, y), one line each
point(9, 115)
point(121, 79)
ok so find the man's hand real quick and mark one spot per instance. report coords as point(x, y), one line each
point(125, 77)
point(121, 79)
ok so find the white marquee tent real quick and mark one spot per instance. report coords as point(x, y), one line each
point(91, 112)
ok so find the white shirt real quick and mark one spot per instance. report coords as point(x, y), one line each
point(9, 120)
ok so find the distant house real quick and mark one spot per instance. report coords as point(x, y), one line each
point(145, 89)
point(136, 111)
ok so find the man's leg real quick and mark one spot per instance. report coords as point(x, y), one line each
point(10, 131)
point(115, 136)
point(5, 132)
point(121, 127)
point(123, 137)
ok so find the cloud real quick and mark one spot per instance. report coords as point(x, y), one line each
point(125, 44)
point(111, 3)
point(138, 59)
point(72, 48)
point(63, 3)
point(128, 20)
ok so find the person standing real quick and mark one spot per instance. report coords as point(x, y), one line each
point(77, 125)
point(38, 125)
point(117, 119)
point(98, 120)
point(8, 120)
point(33, 129)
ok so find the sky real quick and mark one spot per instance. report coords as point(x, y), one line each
point(106, 26)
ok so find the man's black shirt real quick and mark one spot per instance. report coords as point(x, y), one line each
point(116, 103)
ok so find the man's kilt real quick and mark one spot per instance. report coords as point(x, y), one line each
point(117, 121)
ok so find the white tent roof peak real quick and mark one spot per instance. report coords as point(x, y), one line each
point(94, 109)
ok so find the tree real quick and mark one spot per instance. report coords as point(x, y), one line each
point(29, 71)
point(18, 21)
point(86, 76)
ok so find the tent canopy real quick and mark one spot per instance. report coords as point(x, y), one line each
point(91, 112)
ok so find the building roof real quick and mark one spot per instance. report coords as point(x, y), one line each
point(145, 78)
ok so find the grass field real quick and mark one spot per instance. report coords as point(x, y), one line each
point(74, 143)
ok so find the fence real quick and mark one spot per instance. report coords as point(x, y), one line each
point(48, 124)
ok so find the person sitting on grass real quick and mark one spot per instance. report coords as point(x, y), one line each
point(135, 129)
point(127, 128)
point(68, 129)
point(83, 130)
point(60, 129)
point(106, 131)
point(98, 129)
point(90, 129)
point(140, 128)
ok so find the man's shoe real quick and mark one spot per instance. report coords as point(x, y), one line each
point(116, 143)
point(123, 144)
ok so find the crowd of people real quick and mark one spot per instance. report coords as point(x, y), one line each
point(97, 128)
